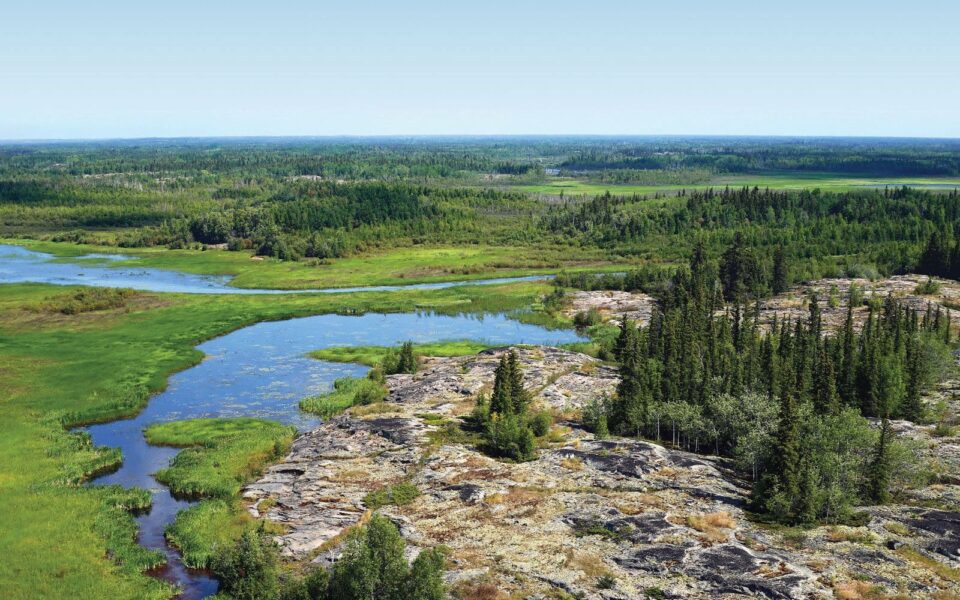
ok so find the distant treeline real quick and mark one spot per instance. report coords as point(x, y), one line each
point(334, 197)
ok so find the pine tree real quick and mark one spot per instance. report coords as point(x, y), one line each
point(781, 273)
point(407, 360)
point(848, 366)
point(519, 397)
point(501, 402)
point(826, 400)
point(807, 505)
point(912, 406)
point(935, 259)
point(780, 486)
point(878, 471)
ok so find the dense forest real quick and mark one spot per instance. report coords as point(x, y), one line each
point(329, 198)
point(789, 402)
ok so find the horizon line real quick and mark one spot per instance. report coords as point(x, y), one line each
point(426, 136)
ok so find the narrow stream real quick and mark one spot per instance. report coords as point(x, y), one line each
point(258, 371)
point(20, 265)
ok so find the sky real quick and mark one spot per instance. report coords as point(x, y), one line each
point(110, 69)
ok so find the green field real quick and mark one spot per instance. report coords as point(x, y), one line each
point(100, 365)
point(390, 267)
point(569, 186)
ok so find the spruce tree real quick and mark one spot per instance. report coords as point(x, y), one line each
point(878, 471)
point(848, 366)
point(501, 402)
point(912, 406)
point(826, 400)
point(407, 360)
point(781, 273)
point(519, 397)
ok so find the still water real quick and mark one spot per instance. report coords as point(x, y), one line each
point(262, 371)
point(19, 265)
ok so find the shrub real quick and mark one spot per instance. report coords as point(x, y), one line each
point(583, 320)
point(89, 300)
point(402, 361)
point(347, 392)
point(927, 288)
point(400, 494)
point(606, 582)
point(508, 437)
point(541, 423)
point(248, 570)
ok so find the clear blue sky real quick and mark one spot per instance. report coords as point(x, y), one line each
point(71, 69)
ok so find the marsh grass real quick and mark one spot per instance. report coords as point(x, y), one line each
point(346, 393)
point(374, 355)
point(220, 455)
point(204, 527)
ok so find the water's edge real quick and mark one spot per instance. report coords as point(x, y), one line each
point(262, 370)
point(21, 265)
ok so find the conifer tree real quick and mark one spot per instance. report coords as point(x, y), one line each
point(878, 472)
point(519, 397)
point(781, 273)
point(501, 402)
point(826, 400)
point(406, 360)
point(912, 407)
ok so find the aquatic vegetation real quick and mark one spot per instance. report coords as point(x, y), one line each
point(373, 356)
point(219, 455)
point(347, 392)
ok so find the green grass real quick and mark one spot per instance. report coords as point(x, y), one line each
point(199, 530)
point(827, 182)
point(373, 355)
point(220, 455)
point(398, 266)
point(59, 539)
point(346, 392)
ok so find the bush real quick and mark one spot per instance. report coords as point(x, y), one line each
point(508, 437)
point(400, 494)
point(347, 392)
point(541, 423)
point(402, 361)
point(248, 570)
point(89, 300)
point(583, 320)
point(927, 288)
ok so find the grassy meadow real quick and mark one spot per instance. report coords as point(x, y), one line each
point(396, 266)
point(572, 186)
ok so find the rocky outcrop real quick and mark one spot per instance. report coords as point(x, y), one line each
point(833, 295)
point(613, 305)
point(585, 515)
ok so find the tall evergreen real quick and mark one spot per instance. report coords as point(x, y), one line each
point(912, 406)
point(826, 400)
point(878, 472)
point(781, 272)
point(501, 400)
point(519, 397)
